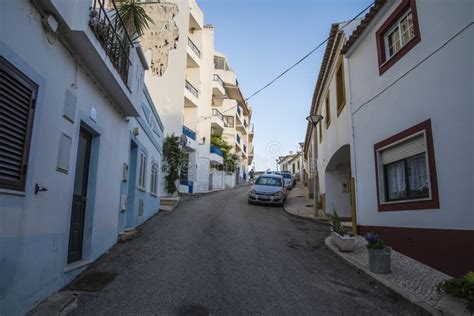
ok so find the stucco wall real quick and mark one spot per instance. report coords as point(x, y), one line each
point(440, 89)
point(34, 229)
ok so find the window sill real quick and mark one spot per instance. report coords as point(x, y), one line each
point(154, 194)
point(141, 189)
point(76, 265)
point(12, 192)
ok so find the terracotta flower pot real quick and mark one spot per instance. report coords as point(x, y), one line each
point(380, 260)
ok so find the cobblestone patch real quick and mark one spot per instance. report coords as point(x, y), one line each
point(407, 274)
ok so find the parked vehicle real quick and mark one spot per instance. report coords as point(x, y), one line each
point(269, 189)
point(289, 182)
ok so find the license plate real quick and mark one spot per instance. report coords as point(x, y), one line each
point(264, 199)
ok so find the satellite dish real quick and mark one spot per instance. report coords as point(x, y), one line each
point(183, 140)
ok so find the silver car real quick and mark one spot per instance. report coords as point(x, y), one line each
point(289, 181)
point(268, 189)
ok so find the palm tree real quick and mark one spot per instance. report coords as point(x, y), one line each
point(134, 17)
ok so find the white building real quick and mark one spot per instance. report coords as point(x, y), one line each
point(189, 92)
point(333, 132)
point(410, 72)
point(68, 121)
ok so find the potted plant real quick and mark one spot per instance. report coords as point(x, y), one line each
point(457, 295)
point(379, 255)
point(343, 240)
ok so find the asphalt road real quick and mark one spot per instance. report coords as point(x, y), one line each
point(215, 254)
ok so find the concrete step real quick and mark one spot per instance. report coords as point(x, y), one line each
point(168, 204)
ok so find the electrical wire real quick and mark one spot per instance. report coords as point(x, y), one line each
point(297, 62)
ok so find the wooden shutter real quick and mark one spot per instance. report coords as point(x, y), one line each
point(17, 99)
point(411, 147)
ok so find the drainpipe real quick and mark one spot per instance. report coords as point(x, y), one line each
point(315, 178)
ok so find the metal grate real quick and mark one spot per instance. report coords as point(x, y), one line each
point(17, 96)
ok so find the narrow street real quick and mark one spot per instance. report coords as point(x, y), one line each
point(215, 254)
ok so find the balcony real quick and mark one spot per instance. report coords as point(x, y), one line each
point(218, 89)
point(193, 54)
point(95, 38)
point(191, 95)
point(217, 122)
point(241, 122)
point(196, 17)
point(114, 40)
point(191, 143)
point(217, 156)
point(251, 133)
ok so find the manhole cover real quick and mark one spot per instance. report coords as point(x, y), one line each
point(93, 281)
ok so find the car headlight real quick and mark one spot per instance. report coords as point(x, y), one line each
point(252, 191)
point(277, 193)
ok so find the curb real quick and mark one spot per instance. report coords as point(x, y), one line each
point(320, 221)
point(422, 305)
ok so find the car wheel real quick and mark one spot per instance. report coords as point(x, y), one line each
point(250, 202)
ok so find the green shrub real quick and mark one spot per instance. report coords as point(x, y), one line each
point(460, 287)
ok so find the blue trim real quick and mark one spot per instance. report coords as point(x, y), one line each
point(152, 106)
point(216, 150)
point(189, 132)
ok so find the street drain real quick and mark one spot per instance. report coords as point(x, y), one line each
point(93, 281)
point(309, 205)
point(192, 310)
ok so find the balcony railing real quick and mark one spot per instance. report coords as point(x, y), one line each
point(219, 80)
point(238, 138)
point(194, 48)
point(189, 132)
point(112, 35)
point(215, 112)
point(216, 150)
point(191, 89)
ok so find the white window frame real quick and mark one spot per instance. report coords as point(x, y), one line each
point(142, 172)
point(154, 178)
point(390, 31)
point(381, 175)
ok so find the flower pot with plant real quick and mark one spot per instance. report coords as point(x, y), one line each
point(343, 240)
point(380, 256)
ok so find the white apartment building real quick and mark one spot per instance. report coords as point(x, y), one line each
point(238, 131)
point(410, 70)
point(191, 93)
point(69, 126)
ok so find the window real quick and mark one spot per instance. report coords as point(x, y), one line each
point(228, 121)
point(154, 179)
point(340, 88)
point(220, 63)
point(320, 132)
point(17, 103)
point(328, 111)
point(398, 35)
point(142, 174)
point(406, 173)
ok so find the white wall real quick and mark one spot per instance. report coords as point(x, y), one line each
point(439, 89)
point(34, 229)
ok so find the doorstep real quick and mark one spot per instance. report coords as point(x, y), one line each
point(411, 279)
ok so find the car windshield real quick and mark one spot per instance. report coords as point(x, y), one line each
point(286, 175)
point(276, 182)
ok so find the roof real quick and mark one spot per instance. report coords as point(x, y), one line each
point(378, 5)
point(333, 37)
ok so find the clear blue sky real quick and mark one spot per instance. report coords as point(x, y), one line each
point(263, 37)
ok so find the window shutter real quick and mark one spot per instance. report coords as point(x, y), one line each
point(412, 147)
point(17, 96)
